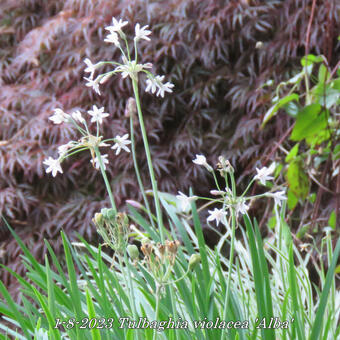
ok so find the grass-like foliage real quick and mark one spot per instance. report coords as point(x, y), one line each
point(270, 293)
point(154, 277)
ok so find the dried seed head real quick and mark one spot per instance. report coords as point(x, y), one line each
point(146, 249)
point(224, 166)
point(161, 249)
point(172, 246)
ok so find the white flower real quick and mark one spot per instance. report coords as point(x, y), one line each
point(163, 87)
point(90, 67)
point(104, 161)
point(304, 246)
point(201, 160)
point(241, 207)
point(113, 38)
point(53, 166)
point(117, 25)
point(97, 114)
point(131, 68)
point(62, 149)
point(121, 143)
point(216, 214)
point(156, 83)
point(93, 83)
point(278, 196)
point(59, 116)
point(185, 201)
point(263, 174)
point(141, 33)
point(151, 85)
point(77, 116)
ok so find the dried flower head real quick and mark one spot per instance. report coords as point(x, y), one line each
point(147, 249)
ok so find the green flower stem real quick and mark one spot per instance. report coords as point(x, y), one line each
point(149, 161)
point(79, 128)
point(129, 287)
point(248, 187)
point(231, 256)
point(179, 279)
point(139, 179)
point(231, 260)
point(173, 306)
point(136, 54)
point(158, 291)
point(74, 151)
point(107, 184)
point(216, 182)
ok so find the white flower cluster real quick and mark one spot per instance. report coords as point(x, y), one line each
point(88, 141)
point(230, 201)
point(129, 67)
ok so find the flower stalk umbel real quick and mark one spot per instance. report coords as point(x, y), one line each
point(232, 205)
point(130, 68)
point(159, 260)
point(88, 141)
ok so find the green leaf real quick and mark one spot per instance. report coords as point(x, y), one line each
point(317, 325)
point(302, 231)
point(309, 122)
point(296, 302)
point(92, 315)
point(332, 220)
point(323, 74)
point(292, 200)
point(311, 59)
point(273, 110)
point(292, 153)
point(297, 180)
point(327, 94)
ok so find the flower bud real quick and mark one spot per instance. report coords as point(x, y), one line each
point(130, 108)
point(108, 213)
point(194, 260)
point(134, 204)
point(217, 192)
point(105, 78)
point(98, 219)
point(133, 251)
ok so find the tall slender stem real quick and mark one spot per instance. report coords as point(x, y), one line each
point(139, 180)
point(149, 160)
point(129, 287)
point(232, 249)
point(158, 291)
point(107, 184)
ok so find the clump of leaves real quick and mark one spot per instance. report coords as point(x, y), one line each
point(313, 162)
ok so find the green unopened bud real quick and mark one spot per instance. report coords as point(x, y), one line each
point(194, 260)
point(108, 214)
point(133, 251)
